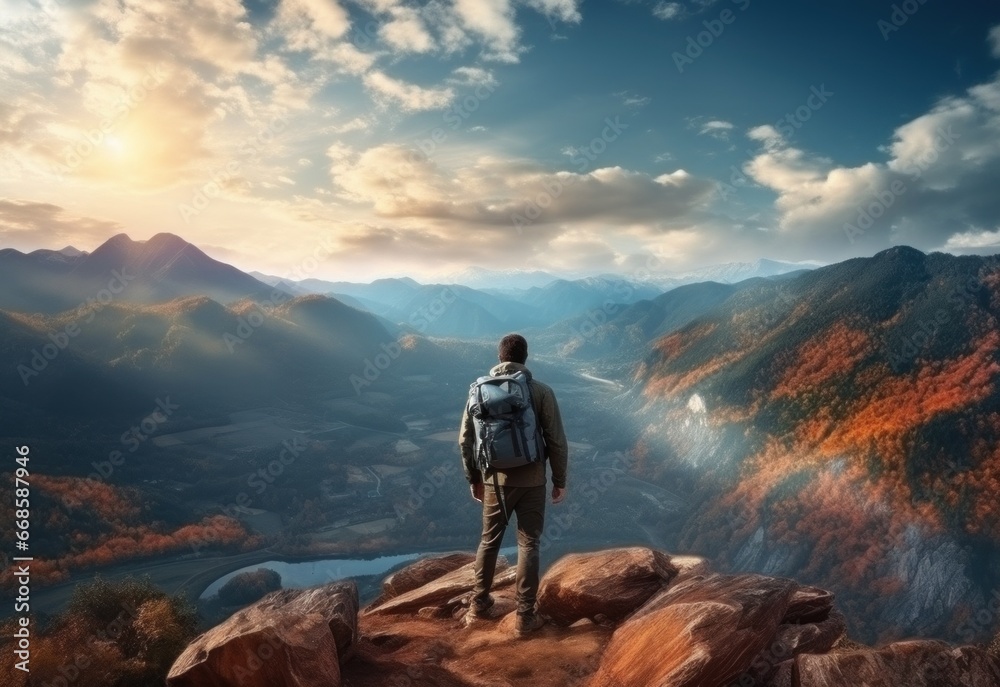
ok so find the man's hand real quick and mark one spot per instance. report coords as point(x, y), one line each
point(477, 491)
point(558, 494)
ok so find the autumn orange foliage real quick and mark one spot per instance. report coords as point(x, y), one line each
point(830, 354)
point(99, 524)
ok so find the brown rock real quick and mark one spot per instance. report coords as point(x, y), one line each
point(433, 652)
point(443, 591)
point(290, 638)
point(423, 571)
point(689, 566)
point(809, 605)
point(338, 603)
point(791, 640)
point(903, 664)
point(702, 632)
point(610, 583)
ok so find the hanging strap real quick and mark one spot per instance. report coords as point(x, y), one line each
point(500, 498)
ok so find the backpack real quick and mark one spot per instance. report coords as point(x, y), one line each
point(507, 431)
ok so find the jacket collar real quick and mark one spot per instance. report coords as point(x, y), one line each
point(509, 369)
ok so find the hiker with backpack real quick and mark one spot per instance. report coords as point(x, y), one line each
point(510, 427)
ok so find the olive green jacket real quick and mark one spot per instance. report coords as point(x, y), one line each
point(556, 450)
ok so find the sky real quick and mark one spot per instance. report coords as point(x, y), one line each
point(356, 139)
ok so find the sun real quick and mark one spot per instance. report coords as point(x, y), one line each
point(115, 145)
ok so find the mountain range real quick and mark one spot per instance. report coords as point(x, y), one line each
point(838, 425)
point(153, 271)
point(844, 425)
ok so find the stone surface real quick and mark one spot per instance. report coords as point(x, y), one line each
point(789, 641)
point(272, 643)
point(690, 566)
point(338, 603)
point(903, 664)
point(689, 630)
point(410, 651)
point(446, 590)
point(611, 584)
point(423, 571)
point(809, 604)
point(703, 632)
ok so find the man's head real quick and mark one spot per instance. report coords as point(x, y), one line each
point(513, 349)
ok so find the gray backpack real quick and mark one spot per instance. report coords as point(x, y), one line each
point(507, 431)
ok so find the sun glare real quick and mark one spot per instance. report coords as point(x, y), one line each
point(115, 144)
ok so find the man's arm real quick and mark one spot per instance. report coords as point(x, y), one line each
point(467, 444)
point(554, 435)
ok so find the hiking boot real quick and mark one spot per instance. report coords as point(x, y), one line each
point(526, 624)
point(481, 610)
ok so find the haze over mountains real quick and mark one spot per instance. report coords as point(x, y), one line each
point(844, 425)
point(153, 271)
point(167, 267)
point(837, 425)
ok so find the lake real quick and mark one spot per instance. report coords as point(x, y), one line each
point(313, 573)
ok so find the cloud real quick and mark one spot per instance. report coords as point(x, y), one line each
point(143, 95)
point(994, 39)
point(408, 96)
point(317, 17)
point(716, 128)
point(973, 241)
point(473, 76)
point(360, 123)
point(563, 10)
point(401, 182)
point(668, 10)
point(633, 100)
point(25, 223)
point(937, 187)
point(406, 32)
point(493, 22)
point(767, 135)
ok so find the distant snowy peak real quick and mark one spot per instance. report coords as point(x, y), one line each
point(71, 252)
point(483, 278)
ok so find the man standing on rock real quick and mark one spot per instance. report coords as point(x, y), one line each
point(516, 491)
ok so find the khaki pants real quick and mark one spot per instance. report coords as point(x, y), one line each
point(527, 505)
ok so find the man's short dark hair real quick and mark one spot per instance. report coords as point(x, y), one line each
point(513, 348)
